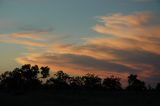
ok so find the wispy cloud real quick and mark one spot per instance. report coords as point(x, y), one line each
point(25, 38)
point(24, 42)
point(128, 31)
point(133, 47)
point(29, 35)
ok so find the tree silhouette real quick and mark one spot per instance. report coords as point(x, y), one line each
point(25, 78)
point(112, 83)
point(76, 82)
point(158, 87)
point(60, 81)
point(11, 80)
point(29, 72)
point(29, 77)
point(149, 87)
point(135, 84)
point(45, 72)
point(91, 81)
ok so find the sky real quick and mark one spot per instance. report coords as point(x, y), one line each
point(104, 37)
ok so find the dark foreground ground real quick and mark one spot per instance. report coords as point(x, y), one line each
point(81, 98)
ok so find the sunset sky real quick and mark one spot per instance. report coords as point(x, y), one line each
point(104, 37)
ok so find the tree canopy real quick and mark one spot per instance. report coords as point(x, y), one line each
point(30, 77)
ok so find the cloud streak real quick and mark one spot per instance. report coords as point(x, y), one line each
point(131, 45)
point(26, 35)
point(26, 39)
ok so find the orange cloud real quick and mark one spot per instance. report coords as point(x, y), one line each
point(133, 47)
point(32, 36)
point(71, 65)
point(130, 32)
point(26, 43)
point(27, 39)
point(87, 50)
point(133, 26)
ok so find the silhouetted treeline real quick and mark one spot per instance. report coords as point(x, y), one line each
point(32, 77)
